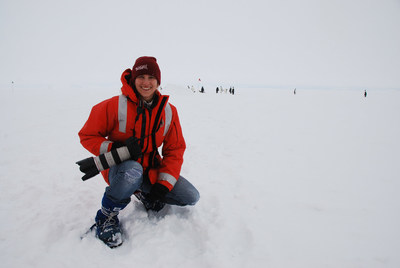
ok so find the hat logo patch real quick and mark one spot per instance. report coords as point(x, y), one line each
point(141, 67)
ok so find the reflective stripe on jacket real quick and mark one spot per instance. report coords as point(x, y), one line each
point(120, 117)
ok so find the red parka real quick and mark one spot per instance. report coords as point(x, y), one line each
point(120, 117)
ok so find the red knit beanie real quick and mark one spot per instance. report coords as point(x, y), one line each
point(146, 65)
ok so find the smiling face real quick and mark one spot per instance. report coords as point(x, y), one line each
point(146, 85)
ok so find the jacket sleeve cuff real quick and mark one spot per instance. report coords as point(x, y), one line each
point(105, 146)
point(167, 180)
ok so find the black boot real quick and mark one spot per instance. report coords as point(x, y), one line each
point(108, 228)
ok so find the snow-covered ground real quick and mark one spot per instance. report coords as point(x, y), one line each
point(305, 180)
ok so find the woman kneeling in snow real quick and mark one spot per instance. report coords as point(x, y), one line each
point(142, 120)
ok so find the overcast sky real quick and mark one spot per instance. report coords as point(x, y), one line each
point(304, 43)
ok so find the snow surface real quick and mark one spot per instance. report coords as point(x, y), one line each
point(305, 180)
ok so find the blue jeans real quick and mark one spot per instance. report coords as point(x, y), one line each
point(127, 178)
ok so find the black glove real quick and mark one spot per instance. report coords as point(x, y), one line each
point(149, 204)
point(134, 148)
point(156, 197)
point(158, 192)
point(117, 144)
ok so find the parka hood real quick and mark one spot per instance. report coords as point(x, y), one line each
point(126, 89)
